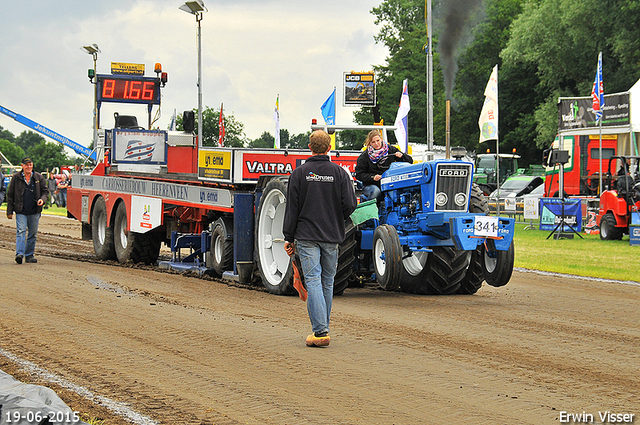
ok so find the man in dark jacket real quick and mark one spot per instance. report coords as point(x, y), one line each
point(26, 194)
point(320, 197)
point(3, 190)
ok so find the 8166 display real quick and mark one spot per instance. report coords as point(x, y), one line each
point(116, 88)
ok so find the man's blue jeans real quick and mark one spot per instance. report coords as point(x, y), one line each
point(26, 231)
point(319, 263)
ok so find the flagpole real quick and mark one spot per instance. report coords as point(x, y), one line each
point(498, 144)
point(333, 136)
point(600, 156)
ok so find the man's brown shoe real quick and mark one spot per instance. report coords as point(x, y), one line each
point(318, 341)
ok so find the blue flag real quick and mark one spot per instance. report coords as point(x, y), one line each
point(328, 109)
point(597, 92)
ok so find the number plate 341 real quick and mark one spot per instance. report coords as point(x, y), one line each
point(485, 226)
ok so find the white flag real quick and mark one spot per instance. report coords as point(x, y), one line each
point(488, 121)
point(276, 117)
point(402, 129)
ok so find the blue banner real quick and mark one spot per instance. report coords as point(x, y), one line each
point(551, 213)
point(328, 109)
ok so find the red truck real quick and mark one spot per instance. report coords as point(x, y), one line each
point(582, 168)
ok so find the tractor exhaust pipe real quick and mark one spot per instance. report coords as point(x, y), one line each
point(448, 130)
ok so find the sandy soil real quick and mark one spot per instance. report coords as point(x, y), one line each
point(182, 350)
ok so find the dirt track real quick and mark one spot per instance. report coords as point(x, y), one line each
point(181, 350)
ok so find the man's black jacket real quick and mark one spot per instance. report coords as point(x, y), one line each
point(320, 198)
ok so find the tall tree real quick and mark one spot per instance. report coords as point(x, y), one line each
point(234, 129)
point(266, 140)
point(560, 41)
point(11, 151)
point(7, 135)
point(517, 87)
point(27, 139)
point(46, 156)
point(476, 51)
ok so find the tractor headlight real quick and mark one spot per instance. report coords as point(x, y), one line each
point(441, 199)
point(460, 199)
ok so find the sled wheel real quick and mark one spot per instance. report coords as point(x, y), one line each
point(222, 246)
point(273, 262)
point(101, 232)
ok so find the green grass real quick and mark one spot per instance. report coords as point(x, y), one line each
point(590, 256)
point(52, 210)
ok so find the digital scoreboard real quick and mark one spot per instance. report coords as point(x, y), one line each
point(128, 89)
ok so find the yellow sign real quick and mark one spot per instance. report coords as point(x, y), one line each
point(127, 68)
point(214, 164)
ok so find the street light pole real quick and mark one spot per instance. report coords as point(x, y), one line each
point(197, 8)
point(93, 50)
point(200, 123)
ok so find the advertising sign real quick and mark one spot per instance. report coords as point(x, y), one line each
point(552, 210)
point(577, 112)
point(139, 146)
point(214, 164)
point(531, 208)
point(359, 89)
point(146, 213)
point(127, 68)
point(593, 207)
point(242, 165)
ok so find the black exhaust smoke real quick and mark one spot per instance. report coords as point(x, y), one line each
point(457, 17)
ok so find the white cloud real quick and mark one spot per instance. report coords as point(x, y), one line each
point(252, 51)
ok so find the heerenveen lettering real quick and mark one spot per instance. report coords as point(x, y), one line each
point(186, 193)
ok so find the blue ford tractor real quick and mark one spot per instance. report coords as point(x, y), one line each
point(429, 233)
point(433, 234)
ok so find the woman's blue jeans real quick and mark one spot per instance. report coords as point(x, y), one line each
point(319, 263)
point(371, 192)
point(26, 231)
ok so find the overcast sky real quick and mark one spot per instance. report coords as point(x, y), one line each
point(252, 51)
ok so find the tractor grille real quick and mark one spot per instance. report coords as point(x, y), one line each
point(452, 186)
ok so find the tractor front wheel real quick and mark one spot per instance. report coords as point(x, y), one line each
point(387, 257)
point(498, 265)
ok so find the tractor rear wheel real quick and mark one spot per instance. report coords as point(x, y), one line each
point(608, 229)
point(474, 277)
point(439, 272)
point(346, 259)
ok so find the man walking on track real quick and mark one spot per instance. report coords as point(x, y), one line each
point(320, 197)
point(26, 195)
